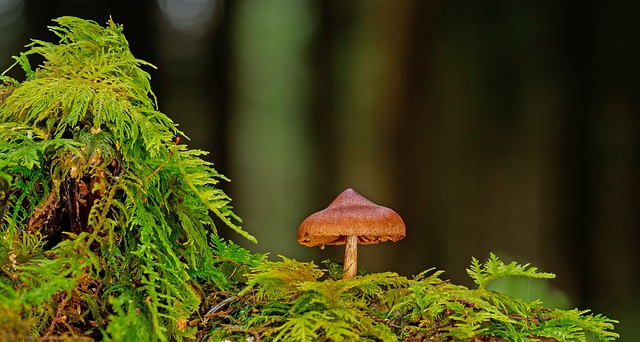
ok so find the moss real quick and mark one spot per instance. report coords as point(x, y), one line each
point(12, 326)
point(297, 301)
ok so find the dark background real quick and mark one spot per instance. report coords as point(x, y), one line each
point(498, 126)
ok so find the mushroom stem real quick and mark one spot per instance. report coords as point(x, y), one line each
point(350, 257)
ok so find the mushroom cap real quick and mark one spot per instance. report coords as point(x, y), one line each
point(351, 214)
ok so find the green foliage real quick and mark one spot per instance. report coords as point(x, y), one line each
point(107, 232)
point(298, 301)
point(495, 268)
point(107, 221)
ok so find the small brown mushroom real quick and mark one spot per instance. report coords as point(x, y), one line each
point(351, 219)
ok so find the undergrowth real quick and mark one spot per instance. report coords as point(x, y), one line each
point(290, 300)
point(108, 232)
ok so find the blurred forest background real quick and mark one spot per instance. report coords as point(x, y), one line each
point(500, 126)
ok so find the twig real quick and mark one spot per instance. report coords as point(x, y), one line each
point(58, 315)
point(220, 305)
point(163, 163)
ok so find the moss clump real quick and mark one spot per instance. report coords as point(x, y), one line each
point(105, 218)
point(107, 232)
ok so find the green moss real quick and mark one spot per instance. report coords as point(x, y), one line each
point(12, 326)
point(105, 216)
point(107, 232)
point(296, 301)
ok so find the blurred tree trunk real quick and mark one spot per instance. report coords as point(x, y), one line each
point(484, 127)
point(369, 109)
point(270, 159)
point(598, 248)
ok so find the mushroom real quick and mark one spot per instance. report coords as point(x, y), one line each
point(351, 219)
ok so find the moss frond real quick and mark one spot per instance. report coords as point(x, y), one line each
point(494, 268)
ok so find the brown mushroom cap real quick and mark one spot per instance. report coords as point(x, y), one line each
point(348, 215)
